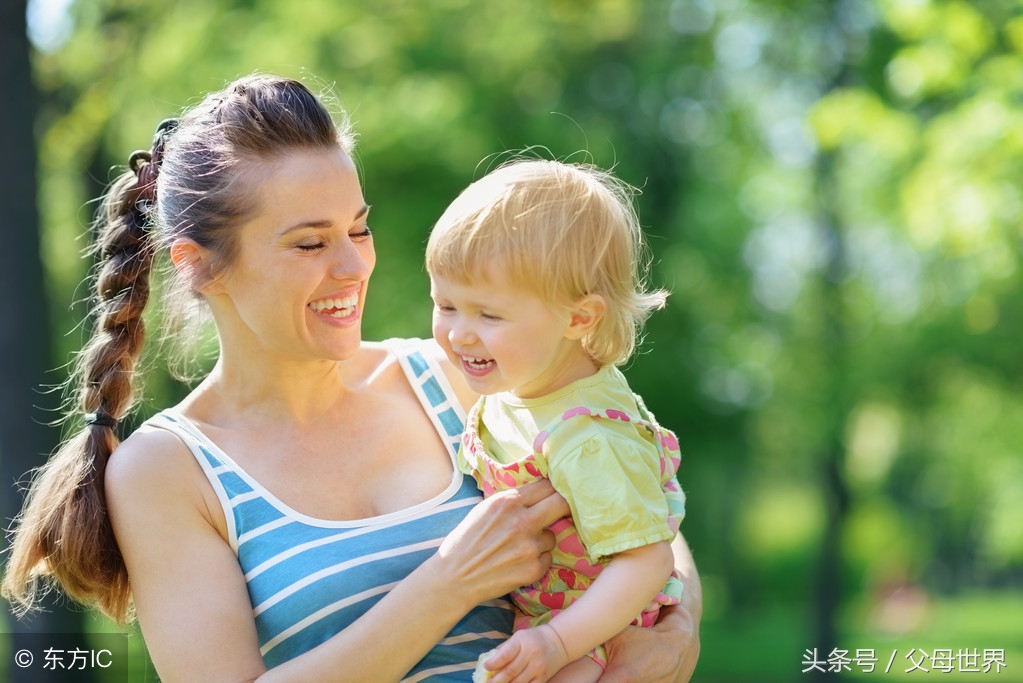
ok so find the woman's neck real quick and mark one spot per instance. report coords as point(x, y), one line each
point(301, 391)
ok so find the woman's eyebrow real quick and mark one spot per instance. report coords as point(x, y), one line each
point(323, 223)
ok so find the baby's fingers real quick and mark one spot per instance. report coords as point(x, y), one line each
point(502, 656)
point(507, 662)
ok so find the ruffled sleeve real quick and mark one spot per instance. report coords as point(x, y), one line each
point(611, 477)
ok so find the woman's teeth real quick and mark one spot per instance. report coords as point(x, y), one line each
point(338, 308)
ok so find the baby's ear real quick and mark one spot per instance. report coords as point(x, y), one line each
point(584, 315)
point(193, 263)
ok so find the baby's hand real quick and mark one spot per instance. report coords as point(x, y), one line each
point(532, 654)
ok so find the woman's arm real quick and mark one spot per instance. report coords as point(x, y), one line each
point(191, 598)
point(187, 587)
point(668, 651)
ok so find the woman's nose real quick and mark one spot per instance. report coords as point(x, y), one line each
point(348, 263)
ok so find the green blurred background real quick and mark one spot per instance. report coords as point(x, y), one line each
point(832, 192)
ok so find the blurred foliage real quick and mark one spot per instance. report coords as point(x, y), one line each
point(832, 193)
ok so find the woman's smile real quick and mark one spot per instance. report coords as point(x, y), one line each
point(339, 308)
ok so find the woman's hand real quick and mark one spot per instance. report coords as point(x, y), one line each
point(664, 653)
point(667, 651)
point(504, 542)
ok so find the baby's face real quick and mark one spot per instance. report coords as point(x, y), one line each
point(503, 336)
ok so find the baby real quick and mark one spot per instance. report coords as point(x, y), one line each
point(538, 296)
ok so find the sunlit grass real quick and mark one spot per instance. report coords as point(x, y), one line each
point(138, 659)
point(961, 624)
point(100, 633)
point(770, 646)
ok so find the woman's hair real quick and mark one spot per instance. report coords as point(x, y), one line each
point(561, 230)
point(197, 183)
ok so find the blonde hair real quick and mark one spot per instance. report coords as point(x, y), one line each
point(561, 230)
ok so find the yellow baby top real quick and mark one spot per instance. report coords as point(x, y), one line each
point(604, 452)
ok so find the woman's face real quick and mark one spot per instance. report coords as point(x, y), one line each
point(297, 286)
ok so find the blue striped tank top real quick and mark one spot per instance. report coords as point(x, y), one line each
point(310, 578)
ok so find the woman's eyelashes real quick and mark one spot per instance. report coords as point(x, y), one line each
point(358, 236)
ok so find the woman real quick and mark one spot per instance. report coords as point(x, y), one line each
point(298, 515)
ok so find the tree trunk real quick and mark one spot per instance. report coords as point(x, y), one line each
point(25, 410)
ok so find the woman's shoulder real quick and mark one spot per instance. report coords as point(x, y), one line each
point(145, 461)
point(402, 346)
point(136, 477)
point(148, 449)
point(431, 352)
point(373, 355)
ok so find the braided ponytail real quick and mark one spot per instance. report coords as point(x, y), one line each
point(191, 185)
point(64, 535)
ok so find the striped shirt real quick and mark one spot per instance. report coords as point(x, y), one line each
point(310, 578)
